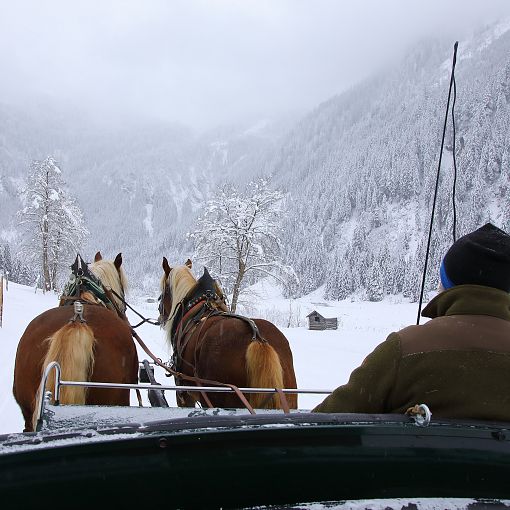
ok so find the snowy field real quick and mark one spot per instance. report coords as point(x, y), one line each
point(322, 359)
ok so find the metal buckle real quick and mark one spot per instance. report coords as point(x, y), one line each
point(421, 415)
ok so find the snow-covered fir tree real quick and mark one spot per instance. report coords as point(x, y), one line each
point(52, 224)
point(14, 268)
point(6, 265)
point(238, 236)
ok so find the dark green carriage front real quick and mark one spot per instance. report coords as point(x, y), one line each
point(212, 461)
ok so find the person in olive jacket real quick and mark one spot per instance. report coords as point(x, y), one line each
point(458, 363)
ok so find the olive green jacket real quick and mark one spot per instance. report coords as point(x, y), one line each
point(458, 363)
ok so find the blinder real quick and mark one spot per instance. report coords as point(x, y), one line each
point(164, 314)
point(160, 306)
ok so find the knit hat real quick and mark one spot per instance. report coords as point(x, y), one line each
point(479, 258)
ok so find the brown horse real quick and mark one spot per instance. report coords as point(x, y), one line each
point(209, 343)
point(100, 349)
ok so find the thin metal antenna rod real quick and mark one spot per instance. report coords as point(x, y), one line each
point(454, 228)
point(455, 46)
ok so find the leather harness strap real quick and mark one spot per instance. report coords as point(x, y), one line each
point(197, 380)
point(283, 400)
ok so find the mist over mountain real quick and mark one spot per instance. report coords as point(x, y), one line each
point(358, 171)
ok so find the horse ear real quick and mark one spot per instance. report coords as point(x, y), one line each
point(98, 257)
point(118, 261)
point(188, 263)
point(166, 266)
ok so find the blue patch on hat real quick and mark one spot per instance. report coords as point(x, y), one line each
point(445, 281)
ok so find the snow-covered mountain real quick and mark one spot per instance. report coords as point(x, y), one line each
point(361, 169)
point(358, 171)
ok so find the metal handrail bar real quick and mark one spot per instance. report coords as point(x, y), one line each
point(211, 389)
point(42, 389)
point(45, 396)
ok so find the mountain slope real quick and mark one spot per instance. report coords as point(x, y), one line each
point(360, 170)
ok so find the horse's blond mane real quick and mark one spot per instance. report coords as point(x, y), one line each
point(181, 281)
point(106, 271)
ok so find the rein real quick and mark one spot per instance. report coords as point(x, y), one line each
point(197, 380)
point(152, 322)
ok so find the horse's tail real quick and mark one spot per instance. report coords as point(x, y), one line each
point(264, 370)
point(72, 347)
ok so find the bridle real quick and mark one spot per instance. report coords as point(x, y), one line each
point(161, 307)
point(165, 295)
point(161, 310)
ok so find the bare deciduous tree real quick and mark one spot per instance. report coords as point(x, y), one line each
point(237, 236)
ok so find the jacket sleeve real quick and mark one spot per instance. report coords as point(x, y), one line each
point(370, 384)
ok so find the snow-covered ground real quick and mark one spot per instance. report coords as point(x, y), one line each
point(322, 359)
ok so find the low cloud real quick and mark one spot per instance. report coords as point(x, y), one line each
point(206, 63)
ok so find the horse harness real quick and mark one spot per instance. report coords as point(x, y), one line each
point(191, 313)
point(84, 286)
point(194, 312)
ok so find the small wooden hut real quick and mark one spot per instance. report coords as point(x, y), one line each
point(317, 321)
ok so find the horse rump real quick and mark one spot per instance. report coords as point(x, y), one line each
point(72, 346)
point(263, 370)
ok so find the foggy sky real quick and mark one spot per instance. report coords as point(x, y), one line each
point(205, 63)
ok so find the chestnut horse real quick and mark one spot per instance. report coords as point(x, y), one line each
point(99, 349)
point(210, 343)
